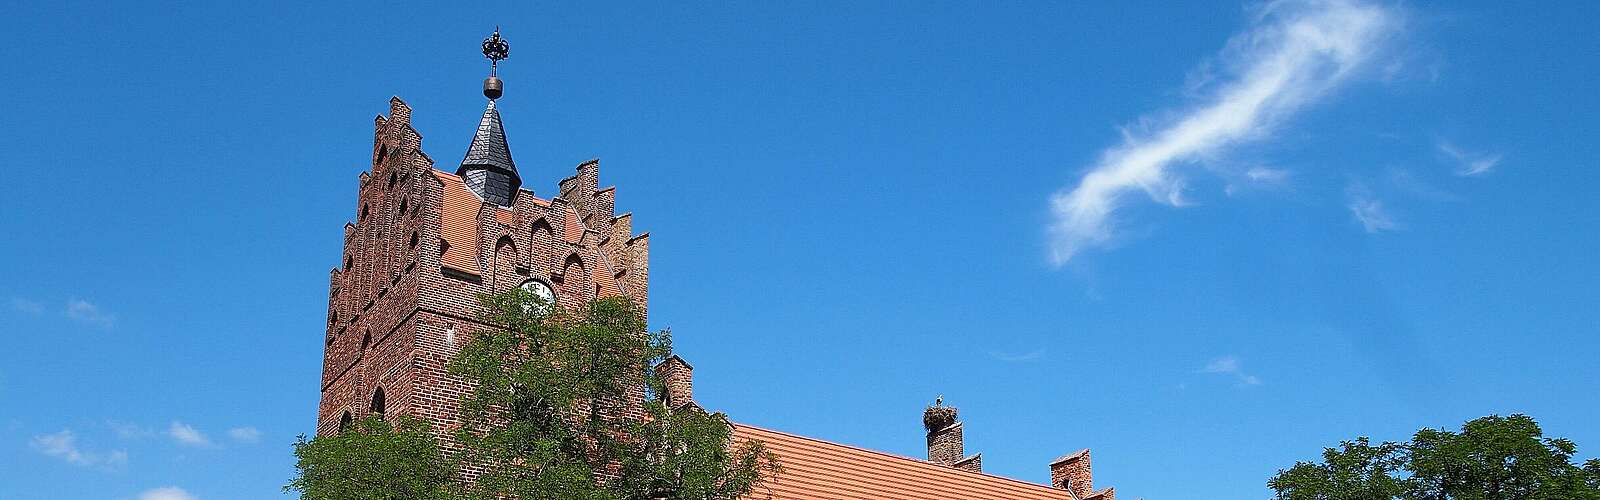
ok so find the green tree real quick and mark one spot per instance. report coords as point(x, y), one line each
point(561, 406)
point(548, 416)
point(373, 461)
point(1492, 458)
point(1356, 471)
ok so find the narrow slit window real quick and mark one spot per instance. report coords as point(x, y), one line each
point(377, 402)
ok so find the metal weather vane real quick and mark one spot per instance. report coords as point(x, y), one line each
point(496, 49)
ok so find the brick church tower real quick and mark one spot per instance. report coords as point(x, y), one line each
point(425, 243)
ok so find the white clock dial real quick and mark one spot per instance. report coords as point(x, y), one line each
point(541, 290)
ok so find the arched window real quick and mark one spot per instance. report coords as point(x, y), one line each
point(366, 340)
point(394, 177)
point(363, 216)
point(377, 402)
point(349, 262)
point(413, 243)
point(344, 421)
point(403, 205)
point(573, 264)
point(505, 258)
point(541, 241)
point(574, 280)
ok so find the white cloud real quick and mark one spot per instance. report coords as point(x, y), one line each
point(167, 493)
point(26, 306)
point(1225, 364)
point(1229, 365)
point(87, 313)
point(61, 445)
point(186, 434)
point(127, 430)
point(1372, 216)
point(1267, 175)
point(1368, 210)
point(64, 445)
point(1257, 178)
point(1471, 164)
point(1291, 55)
point(245, 434)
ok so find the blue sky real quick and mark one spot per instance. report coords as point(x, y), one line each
point(1203, 240)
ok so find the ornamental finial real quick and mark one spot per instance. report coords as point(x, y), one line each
point(496, 49)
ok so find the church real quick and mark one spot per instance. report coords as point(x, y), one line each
point(425, 242)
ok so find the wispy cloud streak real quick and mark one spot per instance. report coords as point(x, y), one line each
point(166, 493)
point(1229, 365)
point(127, 430)
point(87, 313)
point(186, 434)
point(1267, 175)
point(1291, 55)
point(64, 445)
point(1368, 210)
point(245, 434)
point(1470, 164)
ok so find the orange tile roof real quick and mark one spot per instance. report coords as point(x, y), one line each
point(459, 224)
point(819, 470)
point(602, 275)
point(574, 229)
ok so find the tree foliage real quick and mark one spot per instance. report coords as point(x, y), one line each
point(1491, 458)
point(549, 413)
point(1357, 470)
point(561, 405)
point(373, 461)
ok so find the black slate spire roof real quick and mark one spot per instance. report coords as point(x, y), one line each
point(488, 169)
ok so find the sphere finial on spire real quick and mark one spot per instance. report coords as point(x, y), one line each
point(496, 49)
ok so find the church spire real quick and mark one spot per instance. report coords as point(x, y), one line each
point(487, 168)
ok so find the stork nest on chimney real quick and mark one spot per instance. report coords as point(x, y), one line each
point(938, 417)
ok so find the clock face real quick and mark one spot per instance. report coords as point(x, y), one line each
point(541, 290)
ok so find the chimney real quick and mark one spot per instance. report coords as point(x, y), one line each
point(944, 434)
point(1071, 472)
point(677, 379)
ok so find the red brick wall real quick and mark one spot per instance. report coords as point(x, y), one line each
point(677, 377)
point(418, 314)
point(1072, 472)
point(945, 446)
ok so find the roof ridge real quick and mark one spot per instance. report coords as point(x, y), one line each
point(899, 457)
point(1069, 456)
